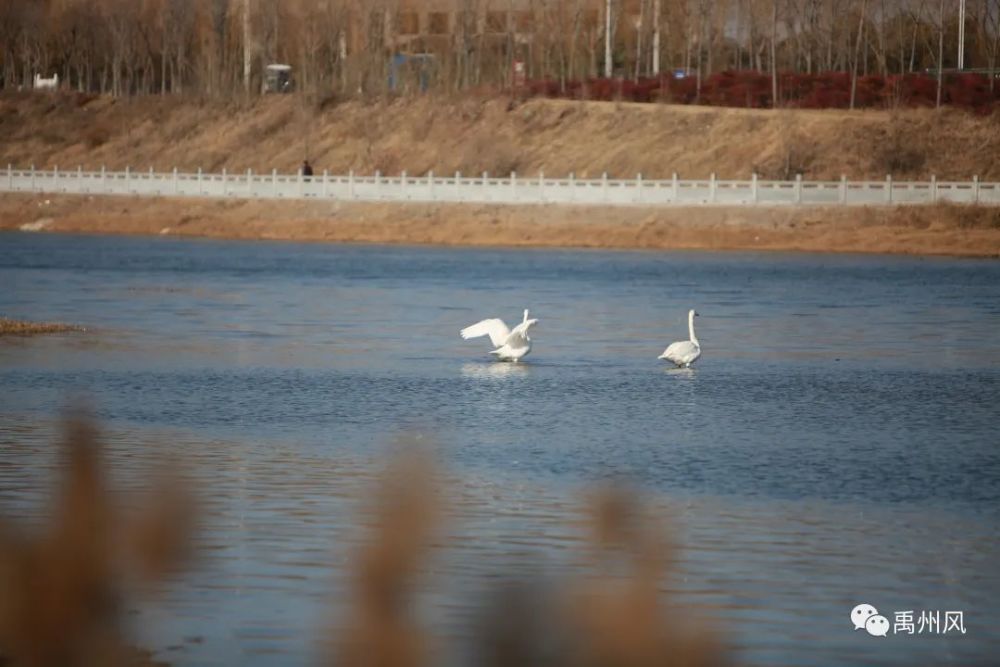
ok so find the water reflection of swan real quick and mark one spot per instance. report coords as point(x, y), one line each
point(490, 371)
point(685, 352)
point(683, 393)
point(510, 344)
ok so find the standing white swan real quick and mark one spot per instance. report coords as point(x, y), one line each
point(511, 344)
point(685, 352)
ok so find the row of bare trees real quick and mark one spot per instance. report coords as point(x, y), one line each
point(345, 47)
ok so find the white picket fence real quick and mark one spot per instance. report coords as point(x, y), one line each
point(512, 189)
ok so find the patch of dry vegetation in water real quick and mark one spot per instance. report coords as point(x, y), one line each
point(65, 586)
point(9, 327)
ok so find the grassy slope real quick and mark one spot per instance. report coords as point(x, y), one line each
point(474, 135)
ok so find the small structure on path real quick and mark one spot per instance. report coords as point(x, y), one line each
point(46, 84)
point(278, 78)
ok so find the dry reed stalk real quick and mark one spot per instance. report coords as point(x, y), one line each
point(65, 589)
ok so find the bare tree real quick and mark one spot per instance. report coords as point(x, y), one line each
point(774, 56)
point(857, 51)
point(990, 36)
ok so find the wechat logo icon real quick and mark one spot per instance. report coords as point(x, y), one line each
point(866, 617)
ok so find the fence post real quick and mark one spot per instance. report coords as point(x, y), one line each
point(711, 188)
point(402, 184)
point(176, 186)
point(638, 188)
point(274, 183)
point(541, 186)
point(798, 188)
point(604, 186)
point(128, 174)
point(843, 189)
point(675, 186)
point(326, 185)
point(55, 177)
point(753, 188)
point(888, 188)
point(975, 188)
point(79, 178)
point(250, 182)
point(198, 181)
point(32, 178)
point(430, 185)
point(350, 184)
point(513, 186)
point(572, 186)
point(933, 189)
point(10, 176)
point(302, 181)
point(223, 181)
point(378, 184)
point(458, 185)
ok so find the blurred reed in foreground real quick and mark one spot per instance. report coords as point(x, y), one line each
point(613, 614)
point(65, 588)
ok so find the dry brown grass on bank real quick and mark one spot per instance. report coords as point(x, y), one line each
point(473, 134)
point(929, 230)
point(9, 327)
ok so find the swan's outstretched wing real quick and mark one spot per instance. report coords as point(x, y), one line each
point(494, 328)
point(682, 352)
point(519, 335)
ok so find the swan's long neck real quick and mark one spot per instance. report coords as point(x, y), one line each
point(694, 339)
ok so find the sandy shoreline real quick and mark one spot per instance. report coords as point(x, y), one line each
point(932, 230)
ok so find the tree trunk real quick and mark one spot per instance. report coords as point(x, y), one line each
point(246, 47)
point(656, 38)
point(638, 40)
point(607, 40)
point(857, 53)
point(774, 63)
point(940, 68)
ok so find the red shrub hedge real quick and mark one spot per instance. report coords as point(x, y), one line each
point(825, 90)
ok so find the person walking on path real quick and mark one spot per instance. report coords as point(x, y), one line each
point(307, 170)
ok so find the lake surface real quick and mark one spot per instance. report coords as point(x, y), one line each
point(836, 444)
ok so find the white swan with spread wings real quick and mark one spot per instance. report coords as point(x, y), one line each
point(511, 344)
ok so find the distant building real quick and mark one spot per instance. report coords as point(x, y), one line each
point(418, 26)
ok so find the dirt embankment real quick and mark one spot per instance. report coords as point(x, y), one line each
point(472, 135)
point(943, 230)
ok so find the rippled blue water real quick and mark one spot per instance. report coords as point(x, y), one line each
point(844, 413)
